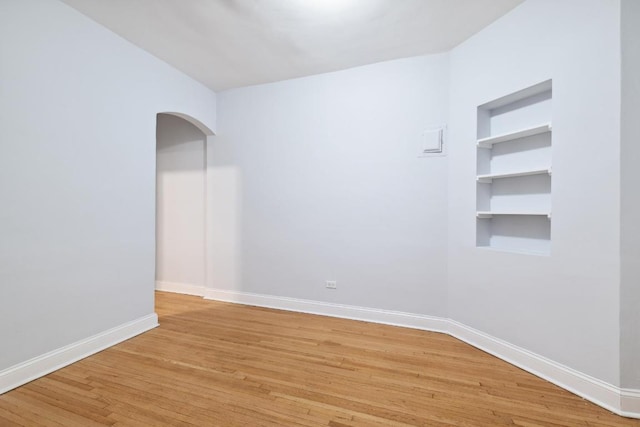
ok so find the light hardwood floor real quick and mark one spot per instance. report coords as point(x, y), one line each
point(218, 364)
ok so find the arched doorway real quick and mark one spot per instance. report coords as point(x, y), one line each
point(181, 203)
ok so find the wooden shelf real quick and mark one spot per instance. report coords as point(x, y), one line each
point(491, 214)
point(488, 179)
point(488, 142)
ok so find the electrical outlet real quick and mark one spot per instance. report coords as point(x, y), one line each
point(331, 284)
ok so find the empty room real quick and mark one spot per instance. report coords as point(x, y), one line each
point(319, 213)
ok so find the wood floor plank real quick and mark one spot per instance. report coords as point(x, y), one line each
point(221, 364)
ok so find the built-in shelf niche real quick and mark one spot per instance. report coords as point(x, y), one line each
point(513, 181)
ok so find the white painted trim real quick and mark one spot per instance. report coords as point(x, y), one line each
point(37, 367)
point(625, 402)
point(180, 288)
point(387, 317)
point(630, 403)
point(592, 389)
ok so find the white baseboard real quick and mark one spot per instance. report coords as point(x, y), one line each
point(630, 403)
point(623, 402)
point(592, 389)
point(387, 317)
point(37, 367)
point(180, 288)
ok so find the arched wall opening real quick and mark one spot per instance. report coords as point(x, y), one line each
point(181, 222)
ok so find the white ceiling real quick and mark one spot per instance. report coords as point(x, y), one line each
point(231, 43)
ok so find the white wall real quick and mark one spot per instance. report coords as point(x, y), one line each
point(328, 186)
point(630, 178)
point(564, 306)
point(78, 111)
point(180, 188)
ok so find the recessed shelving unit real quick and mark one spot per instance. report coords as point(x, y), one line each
point(513, 204)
